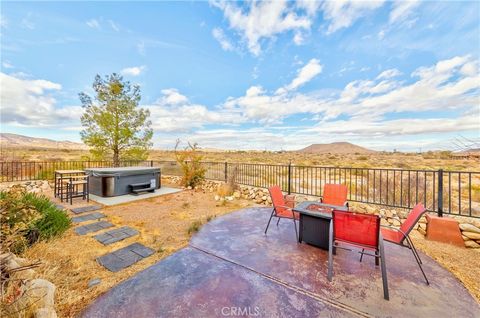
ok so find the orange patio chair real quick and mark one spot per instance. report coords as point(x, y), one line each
point(334, 195)
point(280, 208)
point(400, 236)
point(361, 231)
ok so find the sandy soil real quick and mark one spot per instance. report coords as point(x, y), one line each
point(163, 222)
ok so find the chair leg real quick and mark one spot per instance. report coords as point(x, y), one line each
point(417, 258)
point(330, 252)
point(384, 269)
point(268, 224)
point(278, 221)
point(361, 254)
point(377, 260)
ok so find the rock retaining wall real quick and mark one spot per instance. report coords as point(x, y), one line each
point(38, 186)
point(469, 227)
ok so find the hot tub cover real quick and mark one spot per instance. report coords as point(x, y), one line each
point(121, 171)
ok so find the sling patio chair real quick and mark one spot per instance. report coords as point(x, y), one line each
point(400, 235)
point(334, 195)
point(361, 231)
point(280, 208)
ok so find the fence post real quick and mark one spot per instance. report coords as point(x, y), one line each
point(226, 170)
point(151, 163)
point(289, 177)
point(440, 193)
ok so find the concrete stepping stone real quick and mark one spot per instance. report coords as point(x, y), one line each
point(59, 206)
point(87, 208)
point(115, 235)
point(88, 217)
point(93, 227)
point(124, 257)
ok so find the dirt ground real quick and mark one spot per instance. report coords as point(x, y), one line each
point(163, 222)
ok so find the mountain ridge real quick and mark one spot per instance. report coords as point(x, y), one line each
point(342, 147)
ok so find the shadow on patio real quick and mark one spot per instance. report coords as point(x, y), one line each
point(231, 268)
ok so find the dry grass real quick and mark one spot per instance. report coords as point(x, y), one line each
point(165, 224)
point(462, 262)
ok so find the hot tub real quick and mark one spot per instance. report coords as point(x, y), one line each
point(110, 182)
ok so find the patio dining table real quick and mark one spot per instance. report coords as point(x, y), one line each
point(61, 174)
point(315, 219)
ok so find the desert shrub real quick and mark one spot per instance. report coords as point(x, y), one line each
point(194, 227)
point(362, 158)
point(189, 159)
point(230, 186)
point(28, 217)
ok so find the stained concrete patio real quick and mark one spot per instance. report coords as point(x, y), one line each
point(231, 264)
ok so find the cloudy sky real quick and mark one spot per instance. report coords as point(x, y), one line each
point(252, 75)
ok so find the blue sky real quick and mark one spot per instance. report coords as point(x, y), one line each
point(251, 75)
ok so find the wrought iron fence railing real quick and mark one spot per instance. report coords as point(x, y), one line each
point(450, 192)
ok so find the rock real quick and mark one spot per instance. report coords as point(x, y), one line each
point(217, 197)
point(229, 198)
point(422, 231)
point(13, 262)
point(423, 219)
point(37, 294)
point(46, 312)
point(264, 198)
point(189, 188)
point(472, 244)
point(465, 238)
point(471, 235)
point(469, 228)
point(422, 226)
point(94, 282)
point(236, 194)
point(396, 222)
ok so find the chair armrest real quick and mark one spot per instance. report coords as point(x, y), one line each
point(395, 228)
point(282, 206)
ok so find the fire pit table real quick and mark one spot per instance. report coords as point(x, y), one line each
point(315, 219)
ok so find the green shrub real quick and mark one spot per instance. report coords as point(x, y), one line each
point(189, 160)
point(28, 217)
point(53, 221)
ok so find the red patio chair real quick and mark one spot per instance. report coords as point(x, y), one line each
point(334, 195)
point(358, 230)
point(399, 236)
point(280, 208)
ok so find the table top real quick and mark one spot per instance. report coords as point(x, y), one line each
point(68, 171)
point(317, 209)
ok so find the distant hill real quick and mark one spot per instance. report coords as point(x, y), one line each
point(336, 148)
point(19, 141)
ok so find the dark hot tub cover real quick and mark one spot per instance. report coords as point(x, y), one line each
point(121, 171)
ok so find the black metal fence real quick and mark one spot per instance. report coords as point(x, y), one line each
point(450, 192)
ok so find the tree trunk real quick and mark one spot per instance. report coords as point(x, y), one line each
point(116, 159)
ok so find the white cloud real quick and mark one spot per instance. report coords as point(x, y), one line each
point(173, 112)
point(94, 24)
point(402, 9)
point(114, 25)
point(389, 74)
point(305, 74)
point(262, 20)
point(7, 64)
point(32, 103)
point(134, 70)
point(298, 39)
point(225, 43)
point(27, 23)
point(343, 14)
point(3, 21)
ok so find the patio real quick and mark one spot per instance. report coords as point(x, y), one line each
point(231, 265)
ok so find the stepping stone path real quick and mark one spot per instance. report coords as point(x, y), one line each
point(88, 217)
point(93, 227)
point(88, 208)
point(115, 235)
point(124, 257)
point(116, 260)
point(59, 206)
